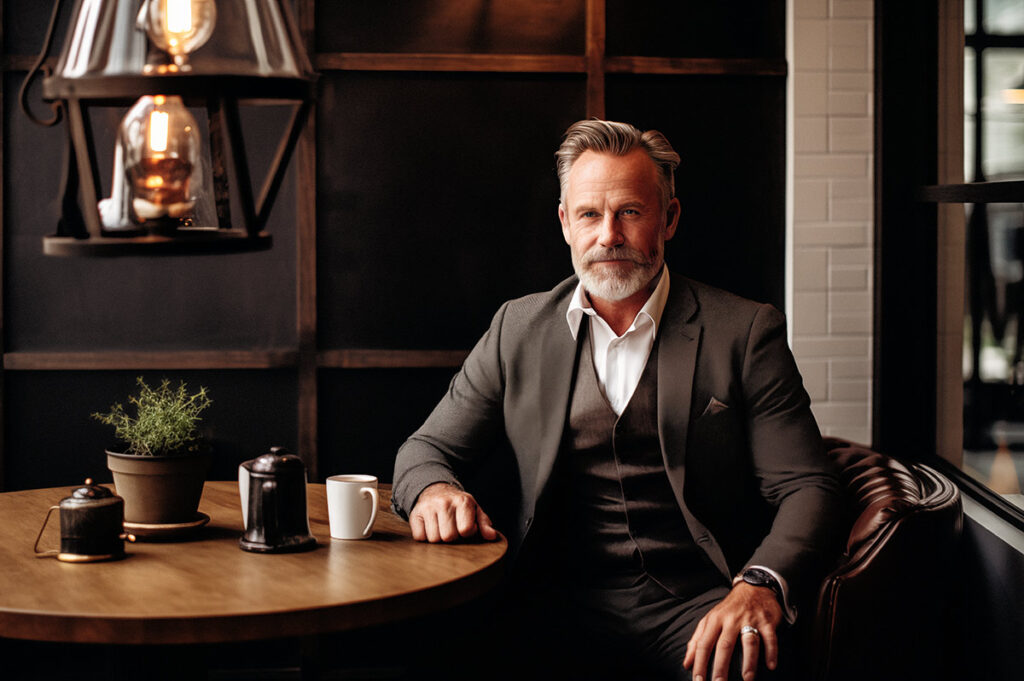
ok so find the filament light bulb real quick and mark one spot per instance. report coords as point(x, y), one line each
point(178, 27)
point(158, 121)
point(160, 146)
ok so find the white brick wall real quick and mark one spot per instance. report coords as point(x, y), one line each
point(832, 204)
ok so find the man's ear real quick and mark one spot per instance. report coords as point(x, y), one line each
point(672, 218)
point(564, 219)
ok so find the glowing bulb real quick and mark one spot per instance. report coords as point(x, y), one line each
point(178, 27)
point(160, 146)
point(179, 17)
point(158, 125)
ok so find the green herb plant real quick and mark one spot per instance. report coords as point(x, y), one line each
point(165, 422)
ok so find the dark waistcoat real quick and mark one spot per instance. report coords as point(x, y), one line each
point(623, 519)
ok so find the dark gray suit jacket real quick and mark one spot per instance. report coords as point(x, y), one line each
point(740, 446)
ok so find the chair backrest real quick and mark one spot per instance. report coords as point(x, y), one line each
point(884, 611)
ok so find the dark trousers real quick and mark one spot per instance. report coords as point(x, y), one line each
point(636, 631)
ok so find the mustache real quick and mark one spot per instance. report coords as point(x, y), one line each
point(600, 254)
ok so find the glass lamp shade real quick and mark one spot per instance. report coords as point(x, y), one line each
point(241, 43)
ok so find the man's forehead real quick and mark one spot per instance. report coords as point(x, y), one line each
point(596, 172)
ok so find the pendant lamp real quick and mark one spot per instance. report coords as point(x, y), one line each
point(181, 69)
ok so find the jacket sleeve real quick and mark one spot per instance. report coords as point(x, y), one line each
point(793, 472)
point(466, 424)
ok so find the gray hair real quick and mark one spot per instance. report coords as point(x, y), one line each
point(619, 139)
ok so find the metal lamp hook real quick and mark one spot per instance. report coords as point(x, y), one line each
point(41, 66)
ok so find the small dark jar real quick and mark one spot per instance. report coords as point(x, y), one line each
point(91, 526)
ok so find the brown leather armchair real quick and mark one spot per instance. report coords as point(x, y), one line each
point(885, 611)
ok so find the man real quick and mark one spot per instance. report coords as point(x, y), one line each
point(670, 470)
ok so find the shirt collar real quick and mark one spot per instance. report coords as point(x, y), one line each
point(653, 309)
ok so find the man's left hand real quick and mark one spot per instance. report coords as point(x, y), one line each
point(720, 630)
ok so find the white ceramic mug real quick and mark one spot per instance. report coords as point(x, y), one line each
point(243, 492)
point(352, 505)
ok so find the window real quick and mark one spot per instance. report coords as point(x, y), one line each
point(993, 325)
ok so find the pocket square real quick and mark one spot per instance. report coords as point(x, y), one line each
point(715, 406)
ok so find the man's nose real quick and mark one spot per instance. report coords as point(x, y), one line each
point(610, 235)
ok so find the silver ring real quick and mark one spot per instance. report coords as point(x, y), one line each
point(750, 630)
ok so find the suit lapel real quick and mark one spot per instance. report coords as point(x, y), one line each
point(557, 357)
point(679, 340)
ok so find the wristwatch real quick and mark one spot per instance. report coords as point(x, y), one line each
point(759, 577)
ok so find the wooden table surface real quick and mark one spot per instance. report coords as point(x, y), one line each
point(206, 589)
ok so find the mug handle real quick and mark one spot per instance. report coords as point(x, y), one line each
point(373, 513)
point(35, 547)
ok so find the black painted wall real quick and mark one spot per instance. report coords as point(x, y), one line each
point(436, 201)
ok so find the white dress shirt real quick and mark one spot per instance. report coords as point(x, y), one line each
point(620, 360)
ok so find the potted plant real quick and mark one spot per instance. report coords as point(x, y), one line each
point(162, 468)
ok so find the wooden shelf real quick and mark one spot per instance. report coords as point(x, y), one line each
point(132, 360)
point(975, 192)
point(112, 360)
point(391, 359)
point(513, 63)
point(496, 63)
point(546, 63)
point(696, 67)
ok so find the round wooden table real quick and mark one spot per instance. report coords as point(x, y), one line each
point(206, 589)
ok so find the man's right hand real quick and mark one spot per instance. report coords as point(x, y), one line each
point(445, 513)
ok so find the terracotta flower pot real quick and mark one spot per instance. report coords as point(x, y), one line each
point(159, 490)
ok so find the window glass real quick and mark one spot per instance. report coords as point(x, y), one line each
point(993, 337)
point(1003, 112)
point(1003, 17)
point(993, 364)
point(970, 113)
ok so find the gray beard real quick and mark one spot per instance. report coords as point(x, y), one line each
point(612, 287)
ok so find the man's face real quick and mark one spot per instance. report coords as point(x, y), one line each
point(614, 222)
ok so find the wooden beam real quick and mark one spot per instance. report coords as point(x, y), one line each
point(595, 58)
point(391, 359)
point(132, 360)
point(1011, 191)
point(693, 66)
point(593, 62)
point(306, 316)
point(496, 63)
point(3, 227)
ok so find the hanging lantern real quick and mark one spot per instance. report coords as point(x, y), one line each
point(182, 67)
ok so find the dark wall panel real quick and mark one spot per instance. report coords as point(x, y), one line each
point(669, 28)
point(79, 304)
point(24, 24)
point(457, 26)
point(51, 439)
point(730, 133)
point(366, 414)
point(437, 200)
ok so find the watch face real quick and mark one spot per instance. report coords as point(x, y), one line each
point(757, 577)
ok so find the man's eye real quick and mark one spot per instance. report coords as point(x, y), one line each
point(630, 211)
point(589, 214)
